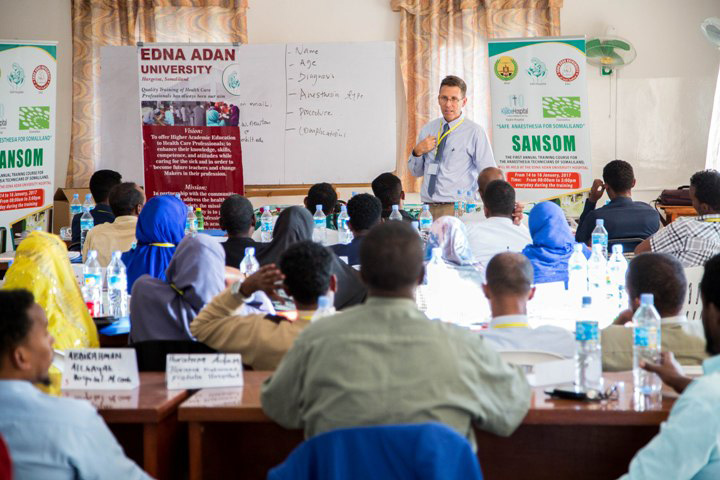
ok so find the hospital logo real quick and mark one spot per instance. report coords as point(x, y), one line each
point(506, 68)
point(34, 118)
point(41, 77)
point(16, 77)
point(567, 70)
point(515, 106)
point(231, 79)
point(561, 107)
point(537, 71)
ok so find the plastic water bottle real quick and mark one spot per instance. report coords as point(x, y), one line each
point(249, 264)
point(597, 274)
point(588, 353)
point(426, 219)
point(646, 345)
point(199, 219)
point(577, 274)
point(190, 222)
point(86, 224)
point(266, 225)
point(617, 267)
point(89, 202)
point(459, 204)
point(320, 225)
point(470, 203)
point(600, 236)
point(395, 214)
point(75, 206)
point(325, 308)
point(92, 284)
point(345, 236)
point(117, 287)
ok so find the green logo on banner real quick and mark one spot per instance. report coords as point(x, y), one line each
point(506, 68)
point(561, 107)
point(34, 118)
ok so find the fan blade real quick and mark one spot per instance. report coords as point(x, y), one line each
point(592, 43)
point(594, 52)
point(618, 44)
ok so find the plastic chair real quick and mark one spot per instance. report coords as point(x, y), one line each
point(628, 243)
point(428, 451)
point(5, 461)
point(152, 354)
point(693, 303)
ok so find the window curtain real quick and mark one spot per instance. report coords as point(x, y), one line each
point(99, 23)
point(449, 37)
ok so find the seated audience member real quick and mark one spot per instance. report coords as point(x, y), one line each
point(365, 212)
point(384, 362)
point(126, 201)
point(101, 183)
point(295, 224)
point(160, 227)
point(487, 175)
point(452, 292)
point(305, 272)
point(237, 218)
point(552, 243)
point(48, 437)
point(323, 194)
point(41, 266)
point(497, 233)
point(623, 217)
point(163, 309)
point(692, 240)
point(687, 445)
point(509, 286)
point(664, 277)
point(388, 189)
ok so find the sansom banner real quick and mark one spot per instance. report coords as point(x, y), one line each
point(540, 115)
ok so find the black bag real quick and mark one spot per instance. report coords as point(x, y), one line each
point(679, 197)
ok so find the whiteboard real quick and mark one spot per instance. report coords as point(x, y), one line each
point(308, 112)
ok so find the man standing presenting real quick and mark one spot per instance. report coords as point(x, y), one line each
point(450, 152)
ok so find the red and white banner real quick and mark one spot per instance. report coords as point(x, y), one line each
point(189, 99)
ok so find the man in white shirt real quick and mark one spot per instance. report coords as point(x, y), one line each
point(486, 176)
point(508, 287)
point(497, 233)
point(126, 201)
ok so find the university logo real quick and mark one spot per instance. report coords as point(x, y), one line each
point(34, 118)
point(506, 68)
point(561, 107)
point(567, 70)
point(515, 106)
point(16, 77)
point(537, 71)
point(41, 77)
point(231, 79)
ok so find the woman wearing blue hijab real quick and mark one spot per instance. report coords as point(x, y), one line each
point(160, 227)
point(552, 243)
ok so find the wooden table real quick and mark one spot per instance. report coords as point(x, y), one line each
point(144, 421)
point(230, 436)
point(673, 212)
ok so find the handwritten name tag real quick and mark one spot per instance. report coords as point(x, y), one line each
point(100, 369)
point(204, 370)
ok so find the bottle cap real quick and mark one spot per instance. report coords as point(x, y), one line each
point(647, 299)
point(189, 208)
point(266, 208)
point(395, 208)
point(617, 248)
point(343, 208)
point(586, 301)
point(578, 247)
point(92, 253)
point(323, 301)
point(198, 209)
point(249, 251)
point(353, 194)
point(597, 247)
point(116, 254)
point(318, 207)
point(600, 222)
point(75, 195)
point(426, 207)
point(88, 196)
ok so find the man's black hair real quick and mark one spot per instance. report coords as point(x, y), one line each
point(710, 283)
point(365, 211)
point(236, 215)
point(619, 176)
point(322, 194)
point(124, 197)
point(391, 256)
point(102, 182)
point(15, 323)
point(663, 276)
point(509, 273)
point(707, 188)
point(499, 198)
point(388, 189)
point(307, 267)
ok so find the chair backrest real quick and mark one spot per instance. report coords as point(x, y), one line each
point(693, 304)
point(628, 243)
point(152, 354)
point(428, 451)
point(5, 461)
point(528, 357)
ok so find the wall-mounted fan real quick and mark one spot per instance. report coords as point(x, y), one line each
point(609, 52)
point(711, 28)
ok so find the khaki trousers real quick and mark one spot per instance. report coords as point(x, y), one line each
point(438, 210)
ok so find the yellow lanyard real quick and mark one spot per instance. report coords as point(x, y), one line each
point(441, 135)
point(164, 245)
point(511, 325)
point(711, 220)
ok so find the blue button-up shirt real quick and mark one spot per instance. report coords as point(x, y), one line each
point(58, 438)
point(467, 152)
point(688, 445)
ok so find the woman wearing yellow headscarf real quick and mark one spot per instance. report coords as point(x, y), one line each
point(41, 266)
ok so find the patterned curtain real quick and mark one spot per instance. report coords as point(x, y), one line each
point(99, 23)
point(449, 37)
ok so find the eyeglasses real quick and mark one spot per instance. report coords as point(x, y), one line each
point(454, 100)
point(610, 393)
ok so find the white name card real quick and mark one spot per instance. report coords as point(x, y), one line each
point(100, 369)
point(204, 370)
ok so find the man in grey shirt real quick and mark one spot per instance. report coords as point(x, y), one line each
point(384, 362)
